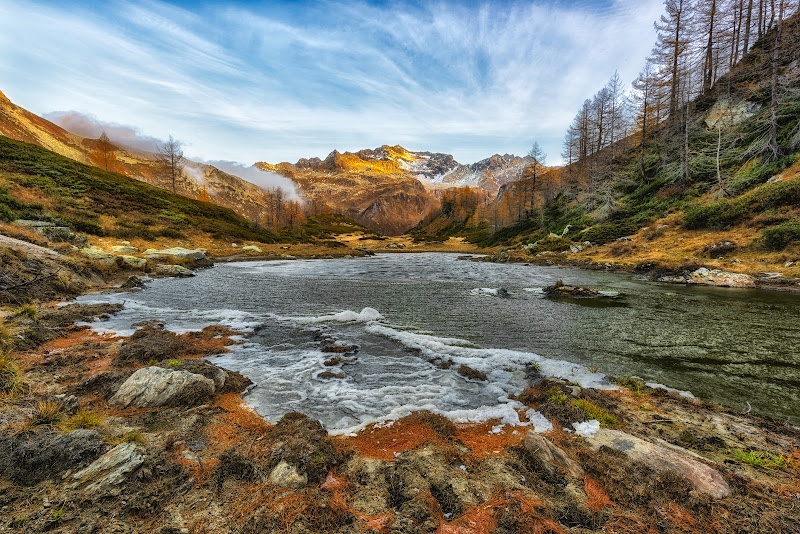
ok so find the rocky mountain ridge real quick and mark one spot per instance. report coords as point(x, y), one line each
point(434, 170)
point(388, 189)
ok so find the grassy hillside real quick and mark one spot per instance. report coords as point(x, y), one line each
point(38, 184)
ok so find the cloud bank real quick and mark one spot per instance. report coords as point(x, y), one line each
point(272, 81)
point(89, 126)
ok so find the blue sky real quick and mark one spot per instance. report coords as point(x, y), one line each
point(276, 81)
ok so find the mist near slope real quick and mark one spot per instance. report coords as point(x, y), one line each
point(129, 137)
point(90, 127)
point(263, 179)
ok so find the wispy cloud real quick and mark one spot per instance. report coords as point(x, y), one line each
point(88, 126)
point(247, 83)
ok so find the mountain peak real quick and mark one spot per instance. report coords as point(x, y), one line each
point(4, 97)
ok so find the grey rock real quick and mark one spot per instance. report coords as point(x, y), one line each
point(552, 457)
point(111, 469)
point(124, 249)
point(705, 479)
point(132, 262)
point(151, 387)
point(715, 277)
point(196, 256)
point(173, 270)
point(97, 254)
point(286, 475)
point(69, 403)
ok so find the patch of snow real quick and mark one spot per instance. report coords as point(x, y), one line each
point(540, 423)
point(588, 429)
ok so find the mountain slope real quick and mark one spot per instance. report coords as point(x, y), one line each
point(224, 189)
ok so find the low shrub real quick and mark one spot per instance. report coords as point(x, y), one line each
point(469, 372)
point(777, 237)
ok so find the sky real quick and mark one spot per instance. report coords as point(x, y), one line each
point(274, 81)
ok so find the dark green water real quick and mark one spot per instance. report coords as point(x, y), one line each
point(731, 346)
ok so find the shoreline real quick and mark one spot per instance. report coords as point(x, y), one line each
point(206, 462)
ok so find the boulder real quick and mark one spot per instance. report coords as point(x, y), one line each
point(287, 476)
point(30, 457)
point(197, 257)
point(124, 249)
point(173, 270)
point(132, 262)
point(705, 479)
point(710, 277)
point(716, 277)
point(151, 387)
point(98, 254)
point(111, 469)
point(251, 248)
point(551, 457)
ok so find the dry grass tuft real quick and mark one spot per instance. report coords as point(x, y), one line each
point(83, 419)
point(12, 382)
point(46, 412)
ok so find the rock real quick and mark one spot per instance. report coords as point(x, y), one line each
point(575, 248)
point(132, 282)
point(151, 387)
point(132, 262)
point(124, 249)
point(395, 245)
point(111, 469)
point(788, 264)
point(705, 479)
point(173, 270)
point(729, 114)
point(97, 254)
point(715, 277)
point(287, 476)
point(251, 248)
point(32, 457)
point(69, 403)
point(550, 456)
point(197, 257)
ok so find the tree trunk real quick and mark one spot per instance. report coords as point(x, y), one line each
point(709, 72)
point(772, 145)
point(746, 45)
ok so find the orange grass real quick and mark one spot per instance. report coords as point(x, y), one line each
point(240, 414)
point(382, 443)
point(595, 494)
point(481, 441)
point(481, 519)
point(73, 339)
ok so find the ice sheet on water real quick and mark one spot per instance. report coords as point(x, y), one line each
point(488, 291)
point(502, 366)
point(347, 316)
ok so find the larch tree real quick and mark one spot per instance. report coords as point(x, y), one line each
point(772, 145)
point(170, 156)
point(673, 41)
